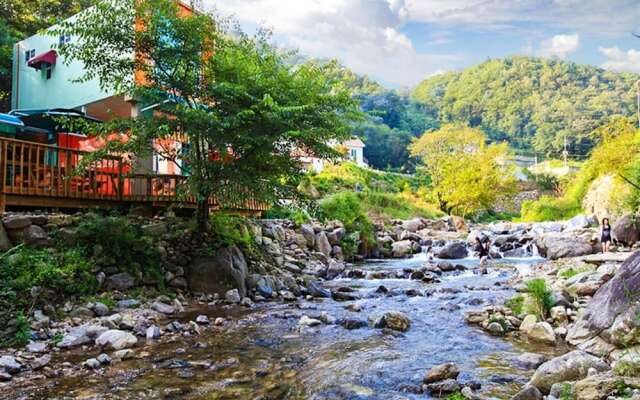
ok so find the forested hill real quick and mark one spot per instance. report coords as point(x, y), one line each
point(532, 103)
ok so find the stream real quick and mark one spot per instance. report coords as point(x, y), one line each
point(265, 354)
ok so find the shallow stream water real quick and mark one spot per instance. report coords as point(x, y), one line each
point(266, 355)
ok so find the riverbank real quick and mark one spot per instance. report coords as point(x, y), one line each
point(295, 305)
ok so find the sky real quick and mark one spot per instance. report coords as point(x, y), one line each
point(401, 42)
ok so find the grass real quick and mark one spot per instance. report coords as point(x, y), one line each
point(570, 272)
point(541, 297)
point(456, 396)
point(293, 213)
point(627, 368)
point(516, 304)
point(566, 393)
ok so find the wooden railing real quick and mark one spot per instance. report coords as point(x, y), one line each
point(33, 170)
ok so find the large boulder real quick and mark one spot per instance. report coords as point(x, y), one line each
point(322, 244)
point(578, 222)
point(227, 270)
point(116, 339)
point(569, 367)
point(121, 281)
point(627, 229)
point(394, 320)
point(441, 372)
point(32, 235)
point(563, 245)
point(453, 250)
point(542, 332)
point(413, 225)
point(608, 303)
point(402, 248)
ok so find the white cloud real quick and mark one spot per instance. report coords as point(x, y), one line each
point(560, 46)
point(363, 34)
point(619, 60)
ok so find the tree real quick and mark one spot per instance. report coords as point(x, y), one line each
point(20, 19)
point(242, 107)
point(467, 175)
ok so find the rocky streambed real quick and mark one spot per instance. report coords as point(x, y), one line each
point(351, 346)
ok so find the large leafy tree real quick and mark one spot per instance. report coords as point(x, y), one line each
point(243, 108)
point(20, 19)
point(467, 175)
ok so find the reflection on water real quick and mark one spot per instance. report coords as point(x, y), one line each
point(267, 356)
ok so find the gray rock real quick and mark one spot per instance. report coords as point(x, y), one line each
point(162, 308)
point(232, 296)
point(394, 320)
point(202, 320)
point(402, 248)
point(104, 359)
point(528, 393)
point(41, 362)
point(152, 332)
point(128, 303)
point(9, 364)
point(227, 270)
point(413, 225)
point(569, 367)
point(16, 221)
point(322, 244)
point(563, 245)
point(609, 302)
point(32, 235)
point(453, 250)
point(92, 363)
point(306, 321)
point(309, 235)
point(627, 229)
point(578, 222)
point(5, 242)
point(100, 309)
point(441, 372)
point(530, 360)
point(5, 376)
point(542, 332)
point(116, 339)
point(334, 269)
point(77, 336)
point(121, 281)
point(444, 387)
point(124, 354)
point(316, 290)
point(37, 347)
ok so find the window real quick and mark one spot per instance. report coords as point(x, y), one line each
point(62, 39)
point(354, 154)
point(47, 71)
point(29, 54)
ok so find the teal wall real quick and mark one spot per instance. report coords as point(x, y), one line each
point(31, 89)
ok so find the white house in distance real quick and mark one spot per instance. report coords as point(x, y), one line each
point(354, 154)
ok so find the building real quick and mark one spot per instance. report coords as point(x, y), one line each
point(38, 159)
point(354, 152)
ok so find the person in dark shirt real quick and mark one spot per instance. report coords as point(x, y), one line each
point(605, 236)
point(482, 250)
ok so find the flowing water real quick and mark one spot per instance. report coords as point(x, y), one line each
point(266, 355)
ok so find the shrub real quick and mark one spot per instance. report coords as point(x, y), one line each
point(34, 277)
point(117, 242)
point(627, 368)
point(542, 299)
point(456, 396)
point(296, 214)
point(570, 272)
point(230, 230)
point(347, 208)
point(515, 304)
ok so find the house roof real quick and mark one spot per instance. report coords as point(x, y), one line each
point(353, 143)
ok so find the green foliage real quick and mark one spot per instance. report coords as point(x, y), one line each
point(230, 230)
point(567, 392)
point(347, 208)
point(216, 87)
point(533, 103)
point(468, 176)
point(30, 277)
point(570, 272)
point(456, 396)
point(616, 154)
point(117, 242)
point(515, 304)
point(387, 206)
point(294, 213)
point(627, 368)
point(23, 331)
point(541, 296)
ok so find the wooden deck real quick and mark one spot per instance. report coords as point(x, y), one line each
point(45, 176)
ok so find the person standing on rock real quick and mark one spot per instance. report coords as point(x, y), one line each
point(482, 250)
point(605, 237)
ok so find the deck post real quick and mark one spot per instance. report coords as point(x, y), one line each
point(3, 174)
point(120, 180)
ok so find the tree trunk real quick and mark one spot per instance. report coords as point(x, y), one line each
point(202, 214)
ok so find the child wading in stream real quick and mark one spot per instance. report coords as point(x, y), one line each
point(482, 250)
point(605, 237)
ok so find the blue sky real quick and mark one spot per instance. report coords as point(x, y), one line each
point(400, 42)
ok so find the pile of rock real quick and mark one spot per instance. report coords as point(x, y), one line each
point(442, 380)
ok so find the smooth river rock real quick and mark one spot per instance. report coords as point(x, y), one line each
point(569, 367)
point(116, 339)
